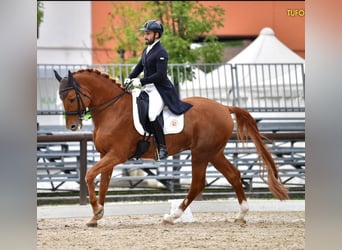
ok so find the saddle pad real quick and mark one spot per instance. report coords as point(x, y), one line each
point(173, 124)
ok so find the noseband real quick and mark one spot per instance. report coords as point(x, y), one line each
point(82, 110)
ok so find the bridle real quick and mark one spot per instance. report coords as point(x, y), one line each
point(82, 110)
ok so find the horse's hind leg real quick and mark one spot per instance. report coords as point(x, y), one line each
point(197, 185)
point(232, 174)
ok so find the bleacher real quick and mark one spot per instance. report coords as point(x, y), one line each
point(59, 162)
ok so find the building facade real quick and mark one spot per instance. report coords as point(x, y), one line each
point(243, 20)
point(66, 33)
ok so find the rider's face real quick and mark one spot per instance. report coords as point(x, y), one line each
point(149, 37)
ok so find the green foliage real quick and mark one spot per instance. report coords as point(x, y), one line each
point(40, 13)
point(184, 22)
point(212, 50)
point(124, 32)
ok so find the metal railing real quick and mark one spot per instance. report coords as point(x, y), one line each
point(256, 87)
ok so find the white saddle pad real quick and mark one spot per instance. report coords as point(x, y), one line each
point(173, 124)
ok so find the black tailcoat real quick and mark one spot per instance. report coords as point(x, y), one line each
point(154, 65)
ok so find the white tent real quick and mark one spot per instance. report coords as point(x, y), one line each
point(258, 60)
point(266, 48)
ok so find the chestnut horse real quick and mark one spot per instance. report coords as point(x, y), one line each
point(208, 126)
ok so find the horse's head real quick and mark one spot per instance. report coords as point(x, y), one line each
point(75, 100)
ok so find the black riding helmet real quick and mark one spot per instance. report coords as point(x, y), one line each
point(153, 25)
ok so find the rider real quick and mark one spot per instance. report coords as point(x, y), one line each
point(161, 91)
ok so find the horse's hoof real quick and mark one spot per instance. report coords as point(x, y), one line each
point(99, 214)
point(168, 219)
point(240, 221)
point(92, 224)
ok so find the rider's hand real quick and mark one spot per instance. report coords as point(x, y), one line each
point(127, 82)
point(136, 82)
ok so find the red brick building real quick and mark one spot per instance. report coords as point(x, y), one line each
point(243, 21)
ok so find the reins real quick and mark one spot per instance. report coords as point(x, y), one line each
point(105, 105)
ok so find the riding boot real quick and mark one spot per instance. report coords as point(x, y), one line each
point(160, 139)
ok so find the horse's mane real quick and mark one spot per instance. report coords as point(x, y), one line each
point(99, 73)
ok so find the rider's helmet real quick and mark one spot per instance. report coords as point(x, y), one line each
point(153, 25)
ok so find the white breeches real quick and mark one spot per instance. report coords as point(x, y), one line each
point(156, 102)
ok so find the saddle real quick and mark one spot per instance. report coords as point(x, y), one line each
point(143, 103)
point(170, 122)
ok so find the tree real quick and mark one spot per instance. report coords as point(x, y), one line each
point(40, 15)
point(184, 22)
point(123, 23)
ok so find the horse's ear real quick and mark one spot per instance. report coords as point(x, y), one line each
point(70, 79)
point(58, 77)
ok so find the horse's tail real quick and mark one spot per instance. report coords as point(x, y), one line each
point(246, 126)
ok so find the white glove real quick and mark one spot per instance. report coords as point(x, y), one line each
point(136, 82)
point(127, 82)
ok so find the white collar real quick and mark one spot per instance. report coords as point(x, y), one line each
point(149, 47)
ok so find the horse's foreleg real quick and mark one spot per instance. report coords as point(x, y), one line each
point(233, 176)
point(105, 167)
point(97, 208)
point(197, 185)
point(104, 184)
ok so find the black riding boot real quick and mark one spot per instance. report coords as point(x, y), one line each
point(160, 138)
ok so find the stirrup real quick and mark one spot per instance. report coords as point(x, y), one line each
point(157, 158)
point(165, 154)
